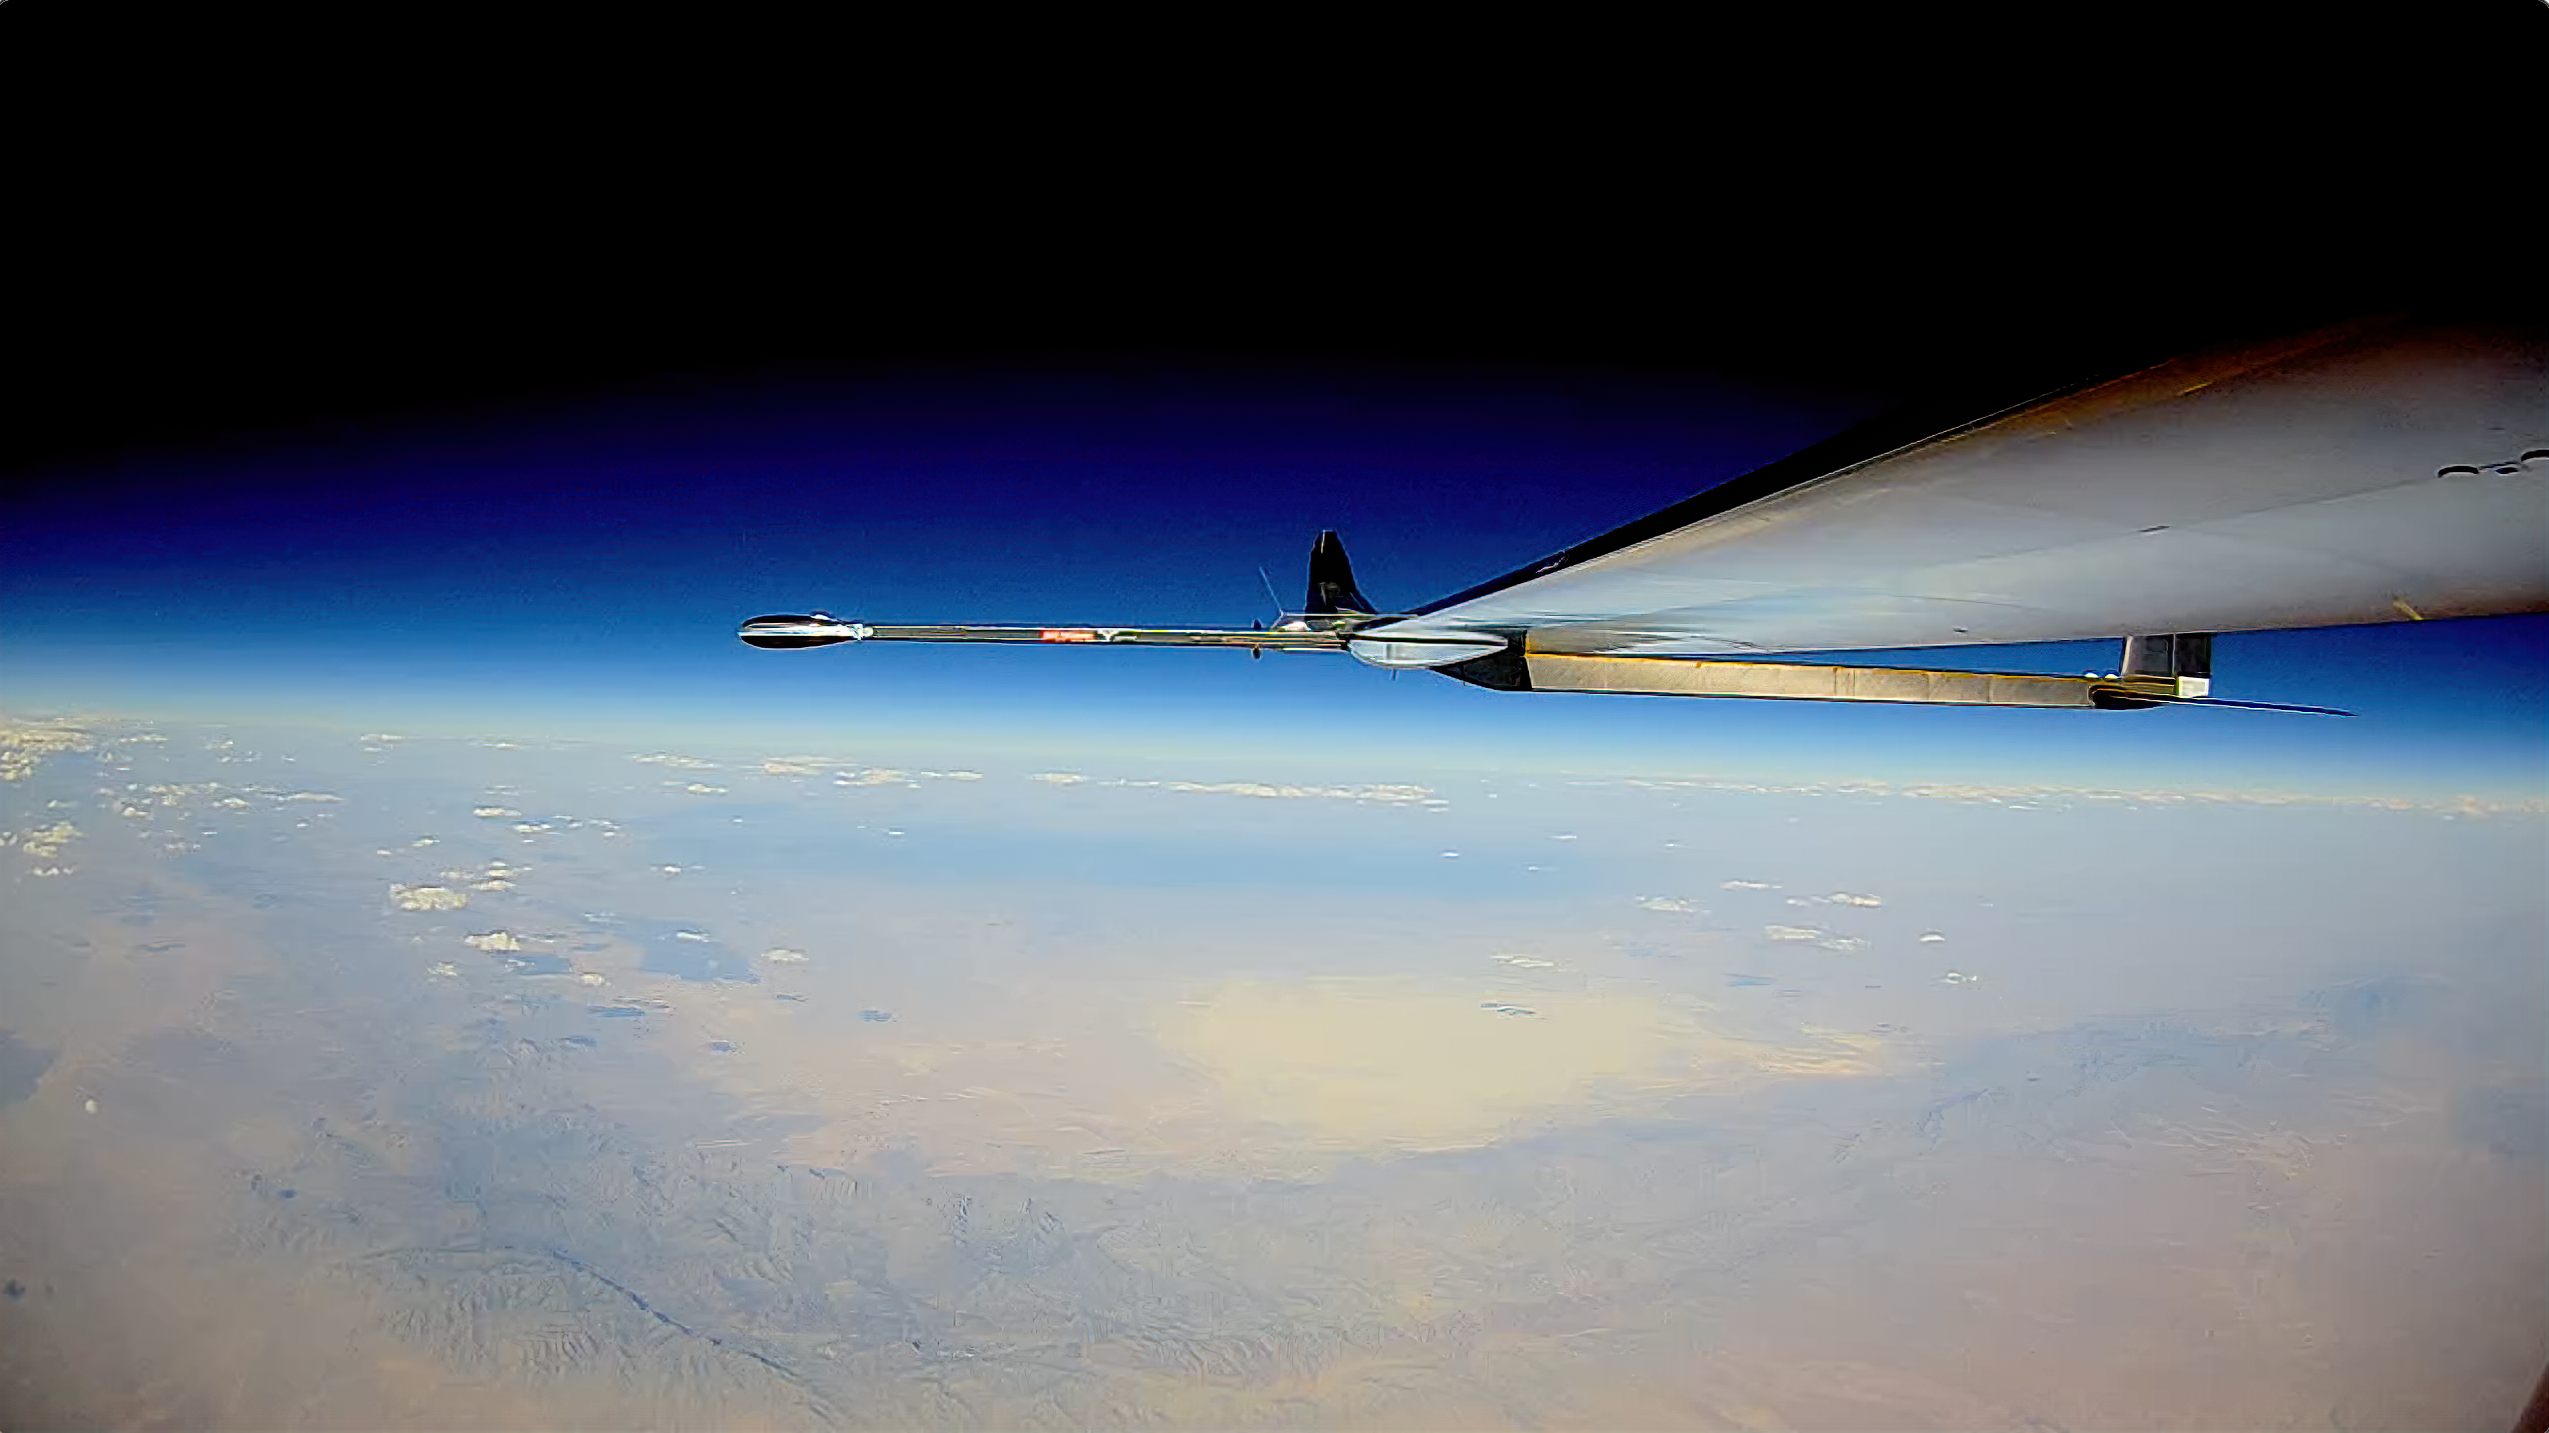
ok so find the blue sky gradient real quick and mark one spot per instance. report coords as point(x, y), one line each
point(576, 563)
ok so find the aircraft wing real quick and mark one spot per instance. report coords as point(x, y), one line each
point(2385, 469)
point(2381, 470)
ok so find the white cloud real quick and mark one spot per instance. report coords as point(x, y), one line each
point(48, 841)
point(1843, 898)
point(1526, 962)
point(697, 789)
point(493, 813)
point(666, 758)
point(427, 898)
point(25, 745)
point(1791, 932)
point(1058, 778)
point(492, 940)
point(1388, 794)
point(1931, 937)
point(1666, 903)
point(1750, 886)
point(781, 955)
point(1846, 944)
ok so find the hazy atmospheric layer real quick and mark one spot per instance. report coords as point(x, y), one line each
point(350, 1079)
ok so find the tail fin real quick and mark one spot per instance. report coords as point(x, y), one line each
point(1332, 588)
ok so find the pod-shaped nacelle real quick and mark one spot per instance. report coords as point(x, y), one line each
point(794, 629)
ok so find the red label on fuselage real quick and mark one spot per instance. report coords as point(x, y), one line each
point(1068, 634)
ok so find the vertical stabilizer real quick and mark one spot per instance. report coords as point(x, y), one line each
point(1332, 588)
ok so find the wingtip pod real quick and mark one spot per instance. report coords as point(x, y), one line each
point(795, 629)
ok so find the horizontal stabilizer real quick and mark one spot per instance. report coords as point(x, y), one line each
point(2240, 706)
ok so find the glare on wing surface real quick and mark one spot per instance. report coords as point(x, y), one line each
point(2383, 470)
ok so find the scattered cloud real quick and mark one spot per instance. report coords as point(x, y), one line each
point(1667, 903)
point(1385, 794)
point(45, 842)
point(1058, 778)
point(2036, 797)
point(493, 940)
point(427, 898)
point(1750, 886)
point(493, 813)
point(666, 758)
point(25, 745)
point(1843, 898)
point(1791, 932)
point(696, 789)
point(1931, 937)
point(781, 955)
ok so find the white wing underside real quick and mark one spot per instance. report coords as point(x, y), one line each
point(2383, 471)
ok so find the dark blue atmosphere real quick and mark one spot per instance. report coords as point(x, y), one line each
point(574, 562)
point(448, 980)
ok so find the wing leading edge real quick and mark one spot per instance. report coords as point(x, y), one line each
point(2383, 470)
